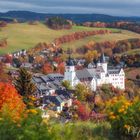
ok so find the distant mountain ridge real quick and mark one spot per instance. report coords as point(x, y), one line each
point(78, 18)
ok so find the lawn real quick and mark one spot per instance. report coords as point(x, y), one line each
point(25, 36)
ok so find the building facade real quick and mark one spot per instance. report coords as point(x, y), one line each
point(96, 76)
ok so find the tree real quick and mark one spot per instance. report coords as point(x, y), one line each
point(11, 104)
point(61, 68)
point(91, 55)
point(66, 84)
point(39, 59)
point(82, 92)
point(4, 77)
point(47, 68)
point(24, 84)
point(8, 58)
point(82, 110)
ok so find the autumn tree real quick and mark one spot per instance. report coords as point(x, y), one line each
point(82, 92)
point(24, 84)
point(82, 110)
point(8, 58)
point(39, 59)
point(47, 68)
point(11, 104)
point(61, 68)
point(4, 77)
point(91, 55)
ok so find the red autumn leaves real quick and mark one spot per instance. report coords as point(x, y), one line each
point(11, 102)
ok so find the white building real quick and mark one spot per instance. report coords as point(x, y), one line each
point(95, 77)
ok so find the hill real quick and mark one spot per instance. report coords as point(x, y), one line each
point(78, 18)
point(23, 36)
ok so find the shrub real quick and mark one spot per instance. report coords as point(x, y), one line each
point(124, 115)
point(81, 131)
point(29, 128)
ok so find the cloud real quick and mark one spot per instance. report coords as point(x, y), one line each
point(111, 7)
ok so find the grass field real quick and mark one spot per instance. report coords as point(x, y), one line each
point(24, 36)
point(101, 38)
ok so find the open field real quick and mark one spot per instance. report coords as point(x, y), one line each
point(24, 36)
point(101, 38)
point(131, 52)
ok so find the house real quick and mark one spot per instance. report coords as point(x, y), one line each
point(57, 100)
point(95, 76)
point(47, 84)
point(27, 65)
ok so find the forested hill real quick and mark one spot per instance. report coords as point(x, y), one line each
point(78, 18)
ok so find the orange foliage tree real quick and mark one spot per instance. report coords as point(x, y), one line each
point(11, 103)
point(47, 68)
point(61, 68)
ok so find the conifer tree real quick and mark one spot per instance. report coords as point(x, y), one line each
point(24, 84)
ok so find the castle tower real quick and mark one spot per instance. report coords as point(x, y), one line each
point(70, 73)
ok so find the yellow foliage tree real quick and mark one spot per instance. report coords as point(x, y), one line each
point(91, 55)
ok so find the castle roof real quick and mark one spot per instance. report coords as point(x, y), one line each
point(114, 71)
point(87, 74)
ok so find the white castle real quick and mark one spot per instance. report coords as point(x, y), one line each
point(95, 77)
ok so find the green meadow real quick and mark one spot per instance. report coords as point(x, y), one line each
point(24, 36)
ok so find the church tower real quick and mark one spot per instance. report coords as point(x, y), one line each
point(102, 62)
point(70, 73)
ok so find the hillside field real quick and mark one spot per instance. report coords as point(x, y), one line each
point(24, 36)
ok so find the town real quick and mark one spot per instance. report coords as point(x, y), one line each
point(68, 76)
point(50, 88)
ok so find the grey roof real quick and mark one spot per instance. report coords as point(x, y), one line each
point(64, 93)
point(83, 74)
point(86, 74)
point(99, 69)
point(37, 79)
point(114, 71)
point(45, 78)
point(89, 73)
point(92, 72)
point(55, 76)
point(41, 87)
point(52, 99)
point(48, 82)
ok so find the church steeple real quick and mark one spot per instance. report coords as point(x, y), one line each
point(70, 72)
point(102, 58)
point(70, 61)
point(102, 62)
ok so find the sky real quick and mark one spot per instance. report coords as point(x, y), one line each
point(110, 7)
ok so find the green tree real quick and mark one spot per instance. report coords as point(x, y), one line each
point(82, 92)
point(24, 84)
point(67, 85)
